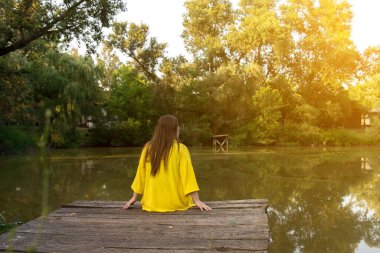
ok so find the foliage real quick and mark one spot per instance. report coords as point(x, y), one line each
point(258, 36)
point(15, 139)
point(132, 40)
point(299, 134)
point(44, 79)
point(5, 227)
point(289, 52)
point(337, 137)
point(15, 93)
point(266, 72)
point(129, 91)
point(373, 132)
point(344, 137)
point(145, 55)
point(196, 133)
point(65, 83)
point(129, 110)
point(265, 127)
point(324, 57)
point(370, 64)
point(23, 22)
point(205, 23)
point(367, 92)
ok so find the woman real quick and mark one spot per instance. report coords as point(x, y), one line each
point(165, 176)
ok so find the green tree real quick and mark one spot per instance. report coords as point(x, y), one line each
point(367, 90)
point(259, 36)
point(68, 85)
point(145, 54)
point(324, 57)
point(265, 126)
point(15, 93)
point(108, 62)
point(130, 108)
point(370, 62)
point(205, 23)
point(24, 21)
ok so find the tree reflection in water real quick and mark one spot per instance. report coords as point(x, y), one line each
point(308, 194)
point(320, 201)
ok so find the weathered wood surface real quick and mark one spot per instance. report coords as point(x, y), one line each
point(103, 226)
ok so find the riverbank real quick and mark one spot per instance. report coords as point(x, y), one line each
point(15, 139)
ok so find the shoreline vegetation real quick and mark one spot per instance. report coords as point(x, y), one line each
point(16, 140)
point(264, 72)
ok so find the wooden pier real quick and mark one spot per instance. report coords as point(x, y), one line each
point(103, 226)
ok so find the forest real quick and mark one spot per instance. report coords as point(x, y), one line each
point(264, 72)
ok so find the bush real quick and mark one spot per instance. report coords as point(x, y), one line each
point(349, 137)
point(196, 134)
point(99, 136)
point(303, 134)
point(65, 138)
point(16, 139)
point(122, 133)
point(339, 137)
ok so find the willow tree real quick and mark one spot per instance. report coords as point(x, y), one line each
point(68, 85)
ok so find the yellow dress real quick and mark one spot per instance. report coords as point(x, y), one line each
point(169, 189)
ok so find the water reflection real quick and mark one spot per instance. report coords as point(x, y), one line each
point(87, 167)
point(365, 163)
point(320, 200)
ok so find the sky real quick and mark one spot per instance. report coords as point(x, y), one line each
point(164, 18)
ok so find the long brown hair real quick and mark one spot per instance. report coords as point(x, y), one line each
point(165, 133)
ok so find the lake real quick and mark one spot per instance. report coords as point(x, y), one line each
point(321, 199)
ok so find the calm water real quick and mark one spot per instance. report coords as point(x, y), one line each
point(320, 200)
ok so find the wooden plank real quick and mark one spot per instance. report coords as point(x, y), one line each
point(168, 221)
point(136, 212)
point(249, 233)
point(257, 231)
point(105, 204)
point(221, 233)
point(83, 249)
point(260, 203)
point(103, 226)
point(71, 249)
point(138, 242)
point(220, 135)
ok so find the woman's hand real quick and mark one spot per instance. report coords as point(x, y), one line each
point(198, 202)
point(202, 205)
point(130, 202)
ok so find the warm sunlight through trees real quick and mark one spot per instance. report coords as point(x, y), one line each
point(266, 72)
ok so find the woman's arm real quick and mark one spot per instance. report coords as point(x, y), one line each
point(131, 201)
point(138, 183)
point(198, 202)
